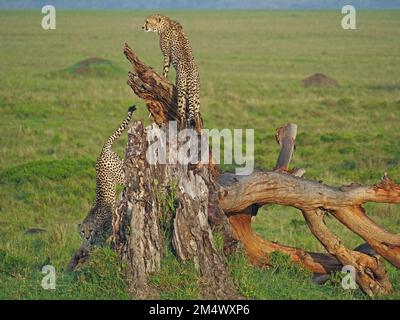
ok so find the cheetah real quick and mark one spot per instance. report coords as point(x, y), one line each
point(96, 227)
point(177, 51)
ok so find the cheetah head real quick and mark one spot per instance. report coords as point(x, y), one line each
point(154, 23)
point(87, 231)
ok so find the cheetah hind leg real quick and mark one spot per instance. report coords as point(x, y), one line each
point(120, 175)
point(194, 120)
point(182, 110)
point(198, 123)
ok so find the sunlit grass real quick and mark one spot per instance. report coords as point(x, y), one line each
point(53, 123)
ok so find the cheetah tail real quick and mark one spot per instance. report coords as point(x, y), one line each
point(120, 129)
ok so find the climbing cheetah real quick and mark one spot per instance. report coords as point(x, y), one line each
point(176, 49)
point(96, 226)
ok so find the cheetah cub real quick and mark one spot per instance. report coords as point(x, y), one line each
point(96, 227)
point(177, 50)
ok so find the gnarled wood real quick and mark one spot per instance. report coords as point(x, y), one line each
point(160, 94)
point(240, 192)
point(258, 249)
point(240, 197)
point(371, 275)
point(266, 187)
point(344, 203)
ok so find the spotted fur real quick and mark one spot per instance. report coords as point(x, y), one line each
point(177, 51)
point(96, 227)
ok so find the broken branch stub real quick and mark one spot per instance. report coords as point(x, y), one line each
point(285, 136)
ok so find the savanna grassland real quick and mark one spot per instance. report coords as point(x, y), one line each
point(54, 121)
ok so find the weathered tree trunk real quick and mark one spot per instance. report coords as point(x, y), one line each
point(206, 196)
point(193, 239)
point(162, 203)
point(136, 223)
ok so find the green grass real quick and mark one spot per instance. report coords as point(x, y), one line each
point(54, 121)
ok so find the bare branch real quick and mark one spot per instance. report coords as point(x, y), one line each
point(258, 248)
point(285, 136)
point(239, 192)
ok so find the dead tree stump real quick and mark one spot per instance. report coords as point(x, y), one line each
point(162, 205)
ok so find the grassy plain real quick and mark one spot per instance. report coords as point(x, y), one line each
point(53, 123)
